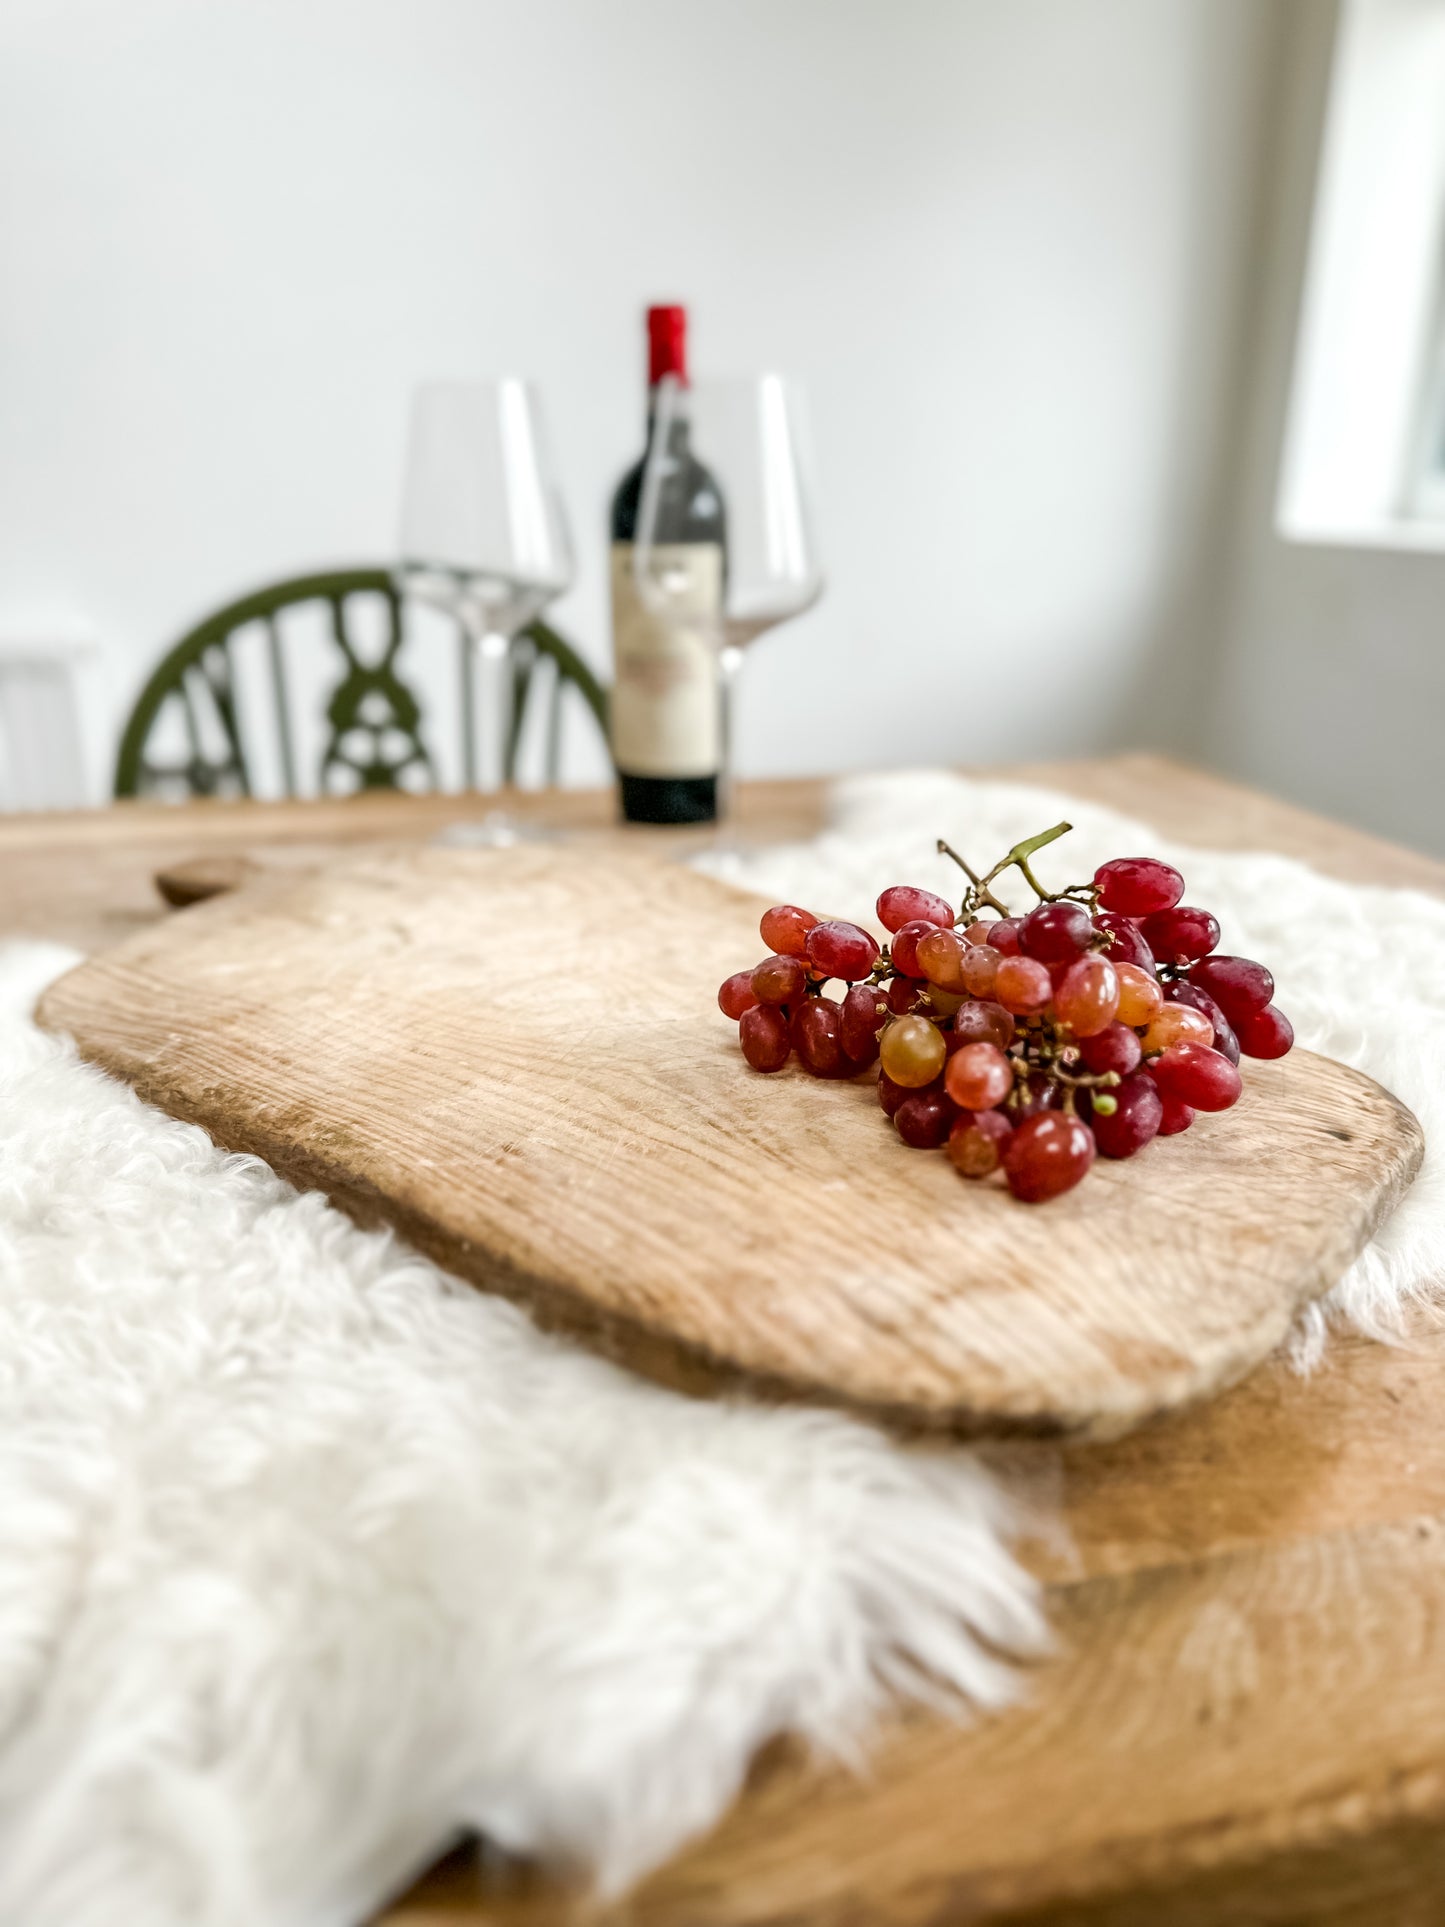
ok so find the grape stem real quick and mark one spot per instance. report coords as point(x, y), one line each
point(1018, 859)
point(980, 893)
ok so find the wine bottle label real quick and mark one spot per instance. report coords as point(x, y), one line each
point(666, 705)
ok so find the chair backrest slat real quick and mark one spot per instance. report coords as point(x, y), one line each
point(376, 735)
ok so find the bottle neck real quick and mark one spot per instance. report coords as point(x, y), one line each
point(678, 425)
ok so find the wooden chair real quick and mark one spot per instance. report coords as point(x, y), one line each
point(375, 736)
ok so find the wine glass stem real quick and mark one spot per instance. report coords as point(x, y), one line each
point(495, 652)
point(729, 662)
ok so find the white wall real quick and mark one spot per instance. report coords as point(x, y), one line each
point(1003, 244)
point(1331, 683)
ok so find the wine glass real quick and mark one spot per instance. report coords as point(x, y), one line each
point(484, 537)
point(750, 434)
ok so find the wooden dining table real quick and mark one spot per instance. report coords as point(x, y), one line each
point(1243, 1719)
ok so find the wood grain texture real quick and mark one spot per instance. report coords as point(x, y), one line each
point(563, 1136)
point(1231, 1497)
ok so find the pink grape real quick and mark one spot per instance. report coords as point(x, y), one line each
point(785, 929)
point(841, 950)
point(763, 1032)
point(940, 957)
point(1197, 1076)
point(1056, 932)
point(1177, 1024)
point(1135, 1119)
point(982, 1022)
point(1088, 998)
point(903, 903)
point(1174, 1117)
point(779, 980)
point(1022, 985)
point(978, 1077)
point(977, 932)
point(736, 994)
point(1237, 984)
point(1115, 1048)
point(1180, 935)
point(1126, 942)
point(863, 1011)
point(1266, 1033)
point(1047, 1155)
point(976, 1141)
point(1138, 885)
point(816, 1035)
point(903, 951)
point(979, 968)
point(924, 1119)
point(1225, 1041)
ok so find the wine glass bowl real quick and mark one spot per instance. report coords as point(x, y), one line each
point(484, 537)
point(751, 435)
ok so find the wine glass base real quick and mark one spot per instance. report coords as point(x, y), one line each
point(494, 831)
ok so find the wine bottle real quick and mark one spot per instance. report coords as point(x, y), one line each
point(666, 700)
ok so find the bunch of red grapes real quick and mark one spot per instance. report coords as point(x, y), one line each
point(1103, 1018)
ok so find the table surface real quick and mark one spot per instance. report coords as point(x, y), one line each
point(1244, 1720)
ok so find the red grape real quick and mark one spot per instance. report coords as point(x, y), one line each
point(779, 980)
point(841, 950)
point(816, 1034)
point(1005, 935)
point(1179, 936)
point(1022, 985)
point(1115, 1048)
point(1138, 885)
point(983, 1022)
point(1138, 1110)
point(1088, 998)
point(1056, 932)
point(785, 929)
point(736, 994)
point(903, 994)
point(924, 1119)
point(978, 1077)
point(1126, 942)
point(913, 1051)
point(1225, 1041)
point(1175, 1117)
point(1237, 984)
point(890, 1095)
point(940, 957)
point(903, 951)
point(976, 1141)
point(1196, 1075)
point(864, 1010)
point(763, 1032)
point(1046, 1155)
point(903, 903)
point(1266, 1033)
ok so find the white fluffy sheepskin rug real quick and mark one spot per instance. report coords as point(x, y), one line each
point(310, 1558)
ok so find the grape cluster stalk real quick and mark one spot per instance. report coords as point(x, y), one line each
point(1026, 1045)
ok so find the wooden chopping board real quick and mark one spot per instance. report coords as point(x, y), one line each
point(516, 1058)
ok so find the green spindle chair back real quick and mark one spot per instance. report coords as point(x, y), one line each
point(375, 737)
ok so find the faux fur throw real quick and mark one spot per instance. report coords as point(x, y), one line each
point(309, 1557)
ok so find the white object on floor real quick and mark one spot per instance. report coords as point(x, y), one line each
point(1359, 970)
point(310, 1556)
